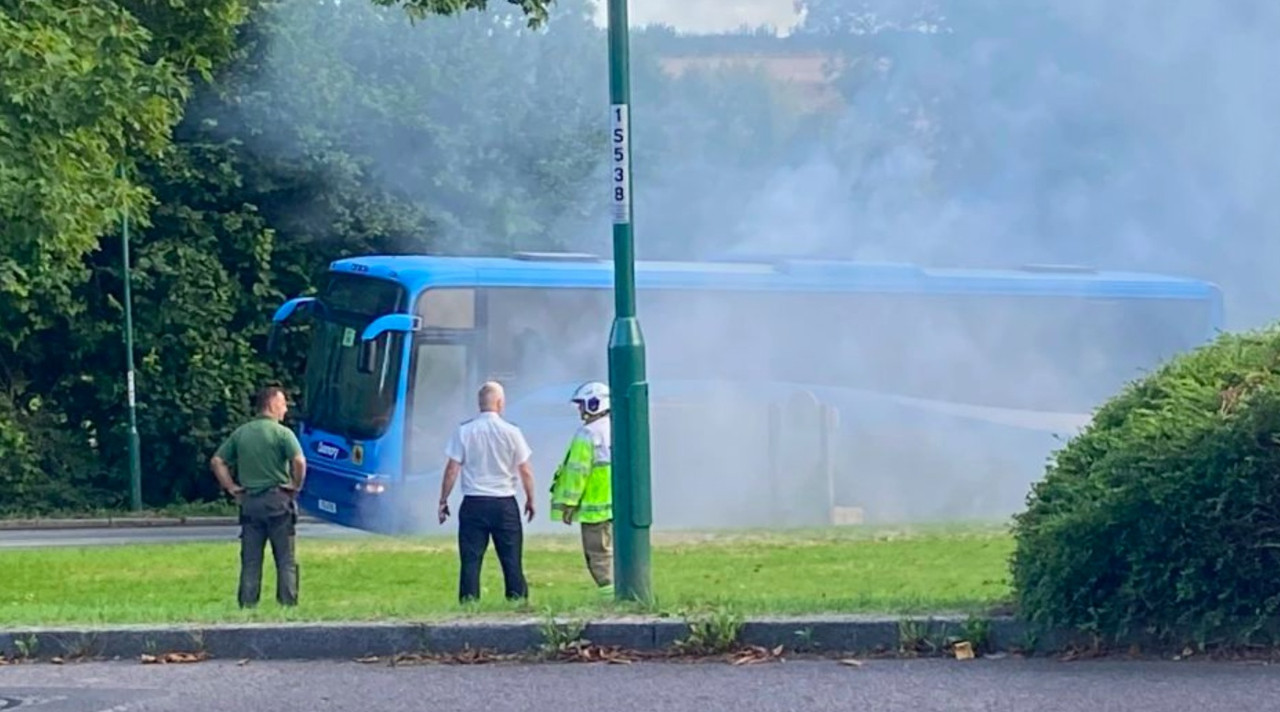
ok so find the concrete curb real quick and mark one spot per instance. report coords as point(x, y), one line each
point(125, 523)
point(854, 635)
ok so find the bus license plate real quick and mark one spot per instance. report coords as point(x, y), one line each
point(327, 506)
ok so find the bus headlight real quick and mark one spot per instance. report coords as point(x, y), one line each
point(372, 486)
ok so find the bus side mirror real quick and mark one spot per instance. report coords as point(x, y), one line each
point(282, 315)
point(365, 356)
point(402, 323)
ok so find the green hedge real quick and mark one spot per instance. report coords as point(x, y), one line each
point(1163, 516)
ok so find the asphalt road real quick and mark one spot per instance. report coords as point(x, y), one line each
point(884, 686)
point(36, 538)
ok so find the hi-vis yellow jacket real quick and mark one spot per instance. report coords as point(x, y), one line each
point(585, 479)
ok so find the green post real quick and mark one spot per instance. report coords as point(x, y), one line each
point(135, 456)
point(631, 498)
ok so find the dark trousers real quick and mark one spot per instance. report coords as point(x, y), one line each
point(482, 518)
point(268, 517)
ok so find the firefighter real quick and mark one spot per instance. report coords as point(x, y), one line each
point(582, 488)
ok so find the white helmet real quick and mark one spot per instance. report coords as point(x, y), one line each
point(593, 397)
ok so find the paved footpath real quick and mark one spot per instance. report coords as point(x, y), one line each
point(883, 686)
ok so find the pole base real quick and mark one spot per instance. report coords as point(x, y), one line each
point(631, 491)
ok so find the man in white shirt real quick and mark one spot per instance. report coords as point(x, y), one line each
point(489, 453)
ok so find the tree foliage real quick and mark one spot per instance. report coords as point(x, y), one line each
point(1163, 516)
point(88, 88)
point(76, 94)
point(536, 12)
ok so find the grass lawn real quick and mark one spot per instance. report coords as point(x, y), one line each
point(846, 570)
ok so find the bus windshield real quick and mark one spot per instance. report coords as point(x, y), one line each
point(1034, 353)
point(339, 398)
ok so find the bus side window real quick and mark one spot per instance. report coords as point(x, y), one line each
point(448, 308)
point(541, 336)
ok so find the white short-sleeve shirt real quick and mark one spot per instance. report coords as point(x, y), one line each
point(491, 450)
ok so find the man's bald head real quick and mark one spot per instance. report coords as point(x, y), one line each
point(491, 397)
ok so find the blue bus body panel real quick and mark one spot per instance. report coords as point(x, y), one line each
point(334, 490)
point(422, 272)
point(340, 489)
point(287, 309)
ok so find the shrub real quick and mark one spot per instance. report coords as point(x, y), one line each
point(1162, 517)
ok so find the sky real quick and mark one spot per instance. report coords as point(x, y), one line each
point(709, 16)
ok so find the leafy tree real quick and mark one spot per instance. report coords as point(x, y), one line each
point(87, 88)
point(76, 94)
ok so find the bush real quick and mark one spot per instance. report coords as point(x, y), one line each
point(1163, 516)
point(45, 465)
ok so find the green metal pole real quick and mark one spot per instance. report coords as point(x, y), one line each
point(630, 420)
point(135, 455)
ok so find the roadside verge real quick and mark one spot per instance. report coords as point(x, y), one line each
point(846, 636)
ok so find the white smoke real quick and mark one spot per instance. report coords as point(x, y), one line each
point(1121, 135)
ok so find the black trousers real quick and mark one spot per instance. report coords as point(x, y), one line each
point(268, 517)
point(479, 520)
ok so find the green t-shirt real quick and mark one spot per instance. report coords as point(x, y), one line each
point(259, 451)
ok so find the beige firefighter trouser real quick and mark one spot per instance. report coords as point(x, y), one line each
point(597, 545)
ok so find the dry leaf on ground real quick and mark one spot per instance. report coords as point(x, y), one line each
point(584, 652)
point(757, 654)
point(407, 659)
point(174, 658)
point(470, 656)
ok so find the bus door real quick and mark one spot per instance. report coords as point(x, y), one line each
point(442, 394)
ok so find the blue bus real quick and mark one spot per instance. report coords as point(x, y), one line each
point(784, 392)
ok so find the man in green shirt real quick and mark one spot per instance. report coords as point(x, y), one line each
point(270, 469)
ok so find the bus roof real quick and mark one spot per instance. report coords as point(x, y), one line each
point(418, 272)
